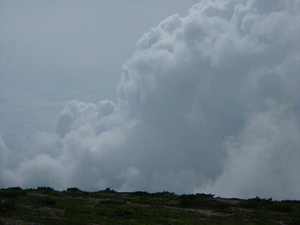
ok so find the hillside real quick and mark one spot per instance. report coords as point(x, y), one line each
point(73, 206)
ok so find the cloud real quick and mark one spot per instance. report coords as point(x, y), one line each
point(3, 153)
point(262, 159)
point(208, 102)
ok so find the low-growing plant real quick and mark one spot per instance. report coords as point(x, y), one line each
point(12, 192)
point(7, 206)
point(74, 189)
point(48, 201)
point(46, 206)
point(124, 212)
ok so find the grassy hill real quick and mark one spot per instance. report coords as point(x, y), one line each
point(73, 206)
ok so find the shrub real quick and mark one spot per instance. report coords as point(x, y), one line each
point(7, 206)
point(109, 190)
point(45, 189)
point(12, 192)
point(122, 213)
point(48, 201)
point(139, 193)
point(74, 189)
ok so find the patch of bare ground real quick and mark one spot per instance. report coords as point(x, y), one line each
point(53, 213)
point(231, 201)
point(99, 200)
point(211, 213)
point(37, 194)
point(6, 221)
point(205, 212)
point(243, 210)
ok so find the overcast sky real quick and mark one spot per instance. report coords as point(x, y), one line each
point(56, 51)
point(151, 95)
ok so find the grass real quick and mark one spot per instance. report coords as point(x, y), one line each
point(47, 206)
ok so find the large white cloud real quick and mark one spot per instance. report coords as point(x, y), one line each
point(208, 102)
point(264, 158)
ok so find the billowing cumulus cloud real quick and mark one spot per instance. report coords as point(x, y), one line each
point(207, 103)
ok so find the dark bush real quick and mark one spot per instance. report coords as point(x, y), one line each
point(109, 190)
point(208, 196)
point(15, 189)
point(191, 201)
point(139, 193)
point(163, 194)
point(282, 207)
point(74, 189)
point(202, 201)
point(254, 203)
point(113, 202)
point(122, 213)
point(12, 192)
point(7, 206)
point(45, 189)
point(48, 201)
point(295, 221)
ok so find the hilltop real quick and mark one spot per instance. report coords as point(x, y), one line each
point(45, 205)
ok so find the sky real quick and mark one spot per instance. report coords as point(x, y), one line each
point(180, 96)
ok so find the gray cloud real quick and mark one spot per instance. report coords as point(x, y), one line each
point(263, 158)
point(208, 102)
point(3, 153)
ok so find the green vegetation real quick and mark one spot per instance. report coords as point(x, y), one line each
point(45, 205)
